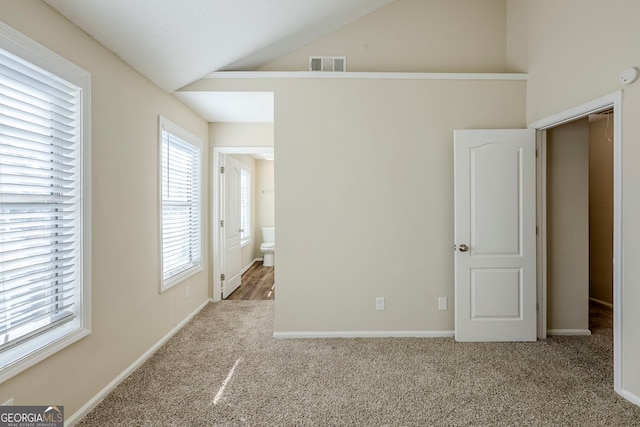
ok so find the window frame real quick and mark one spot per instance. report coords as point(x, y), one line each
point(31, 351)
point(245, 236)
point(187, 137)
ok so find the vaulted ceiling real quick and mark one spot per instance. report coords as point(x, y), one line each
point(176, 42)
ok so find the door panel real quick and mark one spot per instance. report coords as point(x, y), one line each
point(496, 293)
point(495, 265)
point(495, 197)
point(232, 259)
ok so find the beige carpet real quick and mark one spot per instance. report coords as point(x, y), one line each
point(563, 381)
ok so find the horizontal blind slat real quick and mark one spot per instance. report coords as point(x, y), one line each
point(34, 83)
point(17, 137)
point(37, 278)
point(39, 313)
point(22, 303)
point(60, 113)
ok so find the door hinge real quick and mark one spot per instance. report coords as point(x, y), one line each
point(222, 277)
point(536, 230)
point(222, 223)
point(221, 169)
point(536, 153)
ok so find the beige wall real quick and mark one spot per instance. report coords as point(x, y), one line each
point(382, 226)
point(241, 134)
point(575, 52)
point(601, 210)
point(416, 35)
point(265, 197)
point(128, 313)
point(568, 226)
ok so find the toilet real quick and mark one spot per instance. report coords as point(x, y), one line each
point(268, 246)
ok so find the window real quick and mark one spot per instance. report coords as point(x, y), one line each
point(181, 205)
point(44, 203)
point(245, 206)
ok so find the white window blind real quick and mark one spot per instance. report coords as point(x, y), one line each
point(41, 252)
point(245, 206)
point(181, 206)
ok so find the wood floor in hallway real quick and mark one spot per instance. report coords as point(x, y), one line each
point(257, 283)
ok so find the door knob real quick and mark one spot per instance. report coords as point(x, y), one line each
point(463, 248)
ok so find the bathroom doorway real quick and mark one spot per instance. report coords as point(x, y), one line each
point(244, 177)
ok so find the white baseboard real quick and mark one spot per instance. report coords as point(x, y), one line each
point(248, 266)
point(630, 397)
point(604, 303)
point(87, 407)
point(365, 334)
point(568, 332)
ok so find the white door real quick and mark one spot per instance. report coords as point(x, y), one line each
point(232, 263)
point(495, 235)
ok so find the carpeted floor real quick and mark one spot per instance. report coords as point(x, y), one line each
point(562, 381)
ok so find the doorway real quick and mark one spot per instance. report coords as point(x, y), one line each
point(231, 262)
point(579, 167)
point(612, 102)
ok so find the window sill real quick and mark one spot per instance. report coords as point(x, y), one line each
point(41, 348)
point(179, 278)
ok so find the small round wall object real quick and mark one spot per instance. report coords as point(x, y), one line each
point(628, 76)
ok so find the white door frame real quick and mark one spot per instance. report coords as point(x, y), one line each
point(613, 100)
point(217, 192)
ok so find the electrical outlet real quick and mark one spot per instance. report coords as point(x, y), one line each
point(186, 293)
point(442, 303)
point(8, 402)
point(379, 303)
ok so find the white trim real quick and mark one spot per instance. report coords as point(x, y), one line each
point(568, 332)
point(95, 400)
point(566, 116)
point(365, 334)
point(41, 56)
point(630, 397)
point(600, 302)
point(248, 266)
point(365, 75)
point(60, 340)
point(541, 206)
point(216, 215)
point(246, 150)
point(612, 100)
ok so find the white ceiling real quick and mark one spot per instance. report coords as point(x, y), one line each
point(254, 107)
point(176, 42)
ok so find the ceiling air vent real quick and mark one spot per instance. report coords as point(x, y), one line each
point(327, 63)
